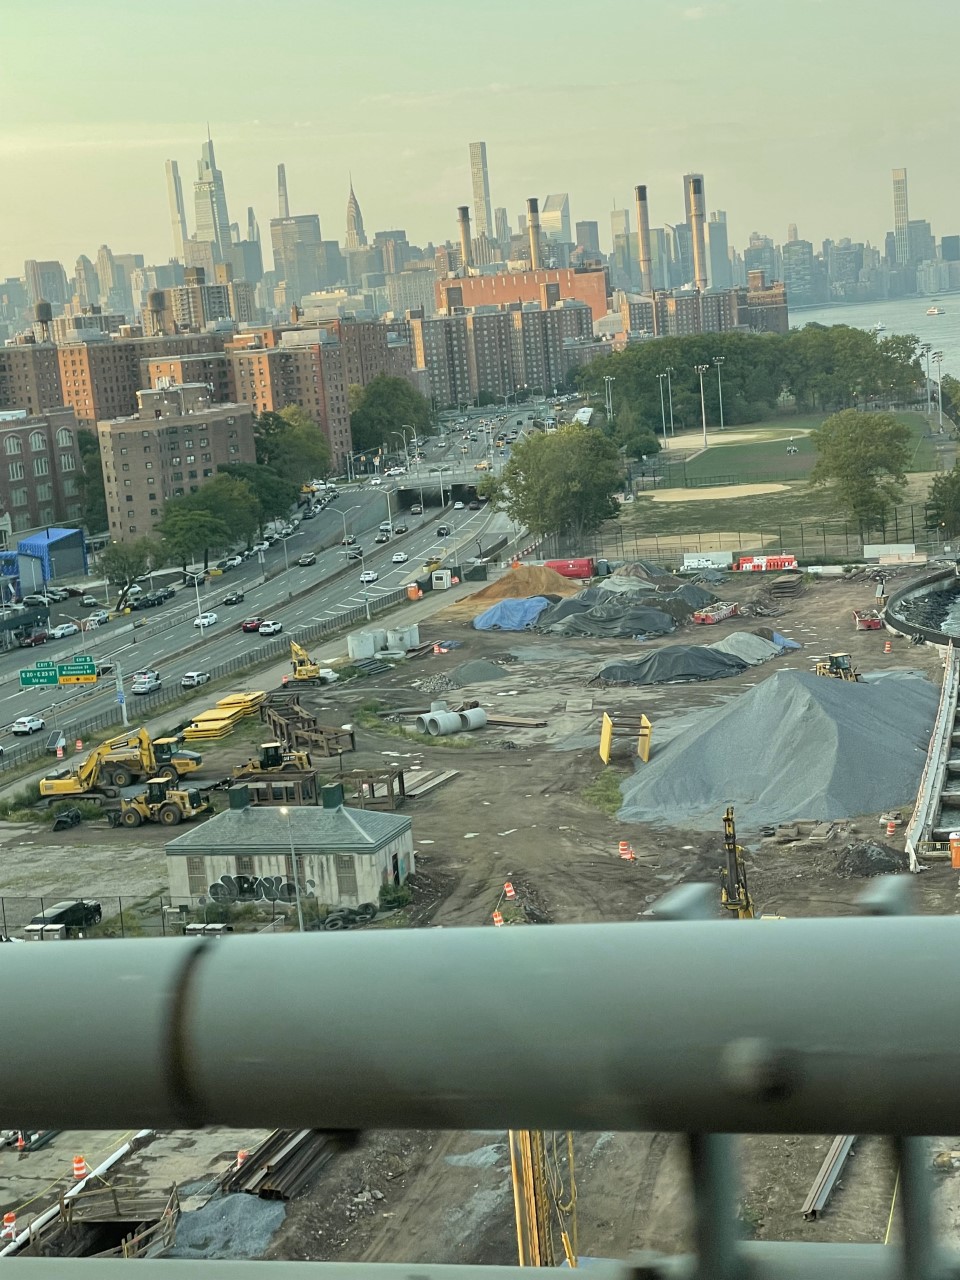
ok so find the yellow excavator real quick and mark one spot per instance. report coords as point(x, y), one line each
point(734, 893)
point(838, 666)
point(274, 759)
point(87, 780)
point(306, 670)
point(137, 755)
point(163, 803)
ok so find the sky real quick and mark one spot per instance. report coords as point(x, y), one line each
point(794, 111)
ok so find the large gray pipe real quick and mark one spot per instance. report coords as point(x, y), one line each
point(466, 245)
point(533, 230)
point(697, 217)
point(836, 1027)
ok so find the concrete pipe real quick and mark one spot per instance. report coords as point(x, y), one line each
point(443, 723)
point(421, 724)
point(475, 718)
point(439, 706)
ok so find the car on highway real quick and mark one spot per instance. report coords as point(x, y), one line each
point(400, 528)
point(251, 624)
point(400, 557)
point(28, 724)
point(76, 913)
point(65, 629)
point(308, 558)
point(443, 531)
point(234, 561)
point(368, 576)
point(381, 538)
point(416, 509)
point(205, 620)
point(355, 553)
point(375, 480)
point(146, 681)
point(98, 617)
point(58, 594)
point(192, 679)
point(235, 597)
point(458, 506)
point(36, 637)
point(474, 505)
point(348, 540)
point(260, 546)
point(34, 598)
point(270, 628)
point(90, 602)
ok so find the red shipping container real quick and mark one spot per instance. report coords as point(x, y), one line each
point(582, 568)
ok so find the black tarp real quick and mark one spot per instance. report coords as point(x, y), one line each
point(671, 664)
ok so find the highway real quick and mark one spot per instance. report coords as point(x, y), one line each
point(166, 632)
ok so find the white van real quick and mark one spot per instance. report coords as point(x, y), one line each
point(386, 526)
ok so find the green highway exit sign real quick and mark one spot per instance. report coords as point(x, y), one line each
point(30, 677)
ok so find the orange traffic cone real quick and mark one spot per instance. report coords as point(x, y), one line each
point(887, 647)
point(21, 1141)
point(626, 852)
point(241, 1156)
point(79, 1168)
point(9, 1231)
point(891, 828)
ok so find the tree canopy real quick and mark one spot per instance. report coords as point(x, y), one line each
point(190, 532)
point(90, 482)
point(291, 445)
point(382, 408)
point(943, 502)
point(273, 495)
point(864, 457)
point(559, 484)
point(123, 562)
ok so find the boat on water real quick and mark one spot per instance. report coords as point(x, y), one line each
point(934, 311)
point(879, 327)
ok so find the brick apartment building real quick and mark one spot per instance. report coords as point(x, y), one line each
point(547, 287)
point(39, 468)
point(30, 377)
point(173, 445)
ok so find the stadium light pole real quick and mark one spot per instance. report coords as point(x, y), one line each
point(670, 396)
point(938, 361)
point(718, 361)
point(663, 411)
point(701, 369)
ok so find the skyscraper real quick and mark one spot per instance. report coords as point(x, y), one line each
point(178, 214)
point(253, 228)
point(718, 251)
point(210, 201)
point(88, 285)
point(297, 253)
point(588, 236)
point(503, 227)
point(901, 216)
point(555, 218)
point(283, 201)
point(482, 212)
point(356, 236)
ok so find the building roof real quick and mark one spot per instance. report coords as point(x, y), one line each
point(264, 829)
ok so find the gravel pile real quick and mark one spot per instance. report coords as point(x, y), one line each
point(439, 683)
point(795, 746)
point(230, 1226)
point(869, 859)
point(478, 671)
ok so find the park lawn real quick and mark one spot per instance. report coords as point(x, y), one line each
point(646, 518)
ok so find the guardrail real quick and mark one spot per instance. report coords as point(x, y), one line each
point(817, 1054)
point(925, 811)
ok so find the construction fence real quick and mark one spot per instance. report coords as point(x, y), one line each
point(133, 916)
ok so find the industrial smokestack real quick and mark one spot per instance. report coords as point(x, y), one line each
point(282, 200)
point(643, 241)
point(533, 230)
point(697, 233)
point(466, 252)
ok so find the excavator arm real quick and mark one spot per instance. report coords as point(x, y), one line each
point(734, 892)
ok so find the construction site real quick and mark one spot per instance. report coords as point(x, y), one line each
point(580, 752)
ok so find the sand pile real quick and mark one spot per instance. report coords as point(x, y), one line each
point(795, 746)
point(528, 580)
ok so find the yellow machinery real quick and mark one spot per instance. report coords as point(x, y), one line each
point(839, 666)
point(306, 670)
point(541, 1167)
point(85, 780)
point(138, 756)
point(734, 893)
point(162, 803)
point(273, 759)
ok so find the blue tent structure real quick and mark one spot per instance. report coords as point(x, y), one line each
point(511, 615)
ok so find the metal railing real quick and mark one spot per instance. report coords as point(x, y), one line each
point(629, 1031)
point(926, 810)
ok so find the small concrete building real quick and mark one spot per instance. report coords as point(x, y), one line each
point(343, 855)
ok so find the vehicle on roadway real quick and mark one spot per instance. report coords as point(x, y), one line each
point(65, 629)
point(308, 558)
point(251, 624)
point(27, 725)
point(368, 576)
point(400, 528)
point(234, 561)
point(381, 538)
point(474, 505)
point(76, 913)
point(400, 557)
point(443, 531)
point(34, 598)
point(36, 637)
point(260, 546)
point(270, 628)
point(90, 602)
point(235, 597)
point(348, 540)
point(458, 506)
point(416, 509)
point(375, 480)
point(146, 682)
point(355, 553)
point(98, 618)
point(193, 679)
point(205, 620)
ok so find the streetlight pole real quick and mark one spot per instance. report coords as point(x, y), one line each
point(609, 380)
point(293, 869)
point(121, 696)
point(663, 411)
point(701, 369)
point(670, 397)
point(938, 361)
point(366, 593)
point(718, 361)
point(926, 348)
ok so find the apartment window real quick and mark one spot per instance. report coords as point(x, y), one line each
point(69, 487)
point(207, 457)
point(127, 484)
point(128, 497)
point(234, 448)
point(131, 527)
point(204, 443)
point(68, 462)
point(191, 457)
point(148, 466)
point(37, 441)
point(65, 438)
point(45, 492)
point(194, 488)
point(41, 466)
point(147, 449)
point(245, 866)
point(13, 444)
point(177, 475)
point(123, 453)
point(15, 471)
point(208, 471)
point(154, 511)
point(191, 475)
point(151, 497)
point(125, 466)
point(18, 497)
point(175, 462)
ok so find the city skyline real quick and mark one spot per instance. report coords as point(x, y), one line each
point(820, 158)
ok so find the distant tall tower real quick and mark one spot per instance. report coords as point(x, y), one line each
point(210, 201)
point(901, 216)
point(482, 212)
point(253, 227)
point(356, 236)
point(793, 235)
point(687, 189)
point(282, 200)
point(88, 284)
point(178, 214)
point(502, 226)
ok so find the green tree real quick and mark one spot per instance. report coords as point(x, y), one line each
point(864, 456)
point(560, 484)
point(90, 482)
point(187, 532)
point(273, 496)
point(634, 437)
point(230, 499)
point(387, 405)
point(943, 502)
point(292, 445)
point(123, 562)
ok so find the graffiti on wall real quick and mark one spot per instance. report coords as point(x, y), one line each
point(240, 888)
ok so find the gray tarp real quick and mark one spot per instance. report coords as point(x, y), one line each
point(671, 664)
point(615, 617)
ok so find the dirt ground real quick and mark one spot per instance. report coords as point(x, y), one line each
point(518, 811)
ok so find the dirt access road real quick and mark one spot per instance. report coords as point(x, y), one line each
point(520, 812)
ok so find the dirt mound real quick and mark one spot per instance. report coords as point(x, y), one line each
point(528, 580)
point(869, 859)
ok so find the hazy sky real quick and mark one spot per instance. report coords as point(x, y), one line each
point(794, 110)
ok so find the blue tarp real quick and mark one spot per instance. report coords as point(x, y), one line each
point(783, 642)
point(511, 615)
